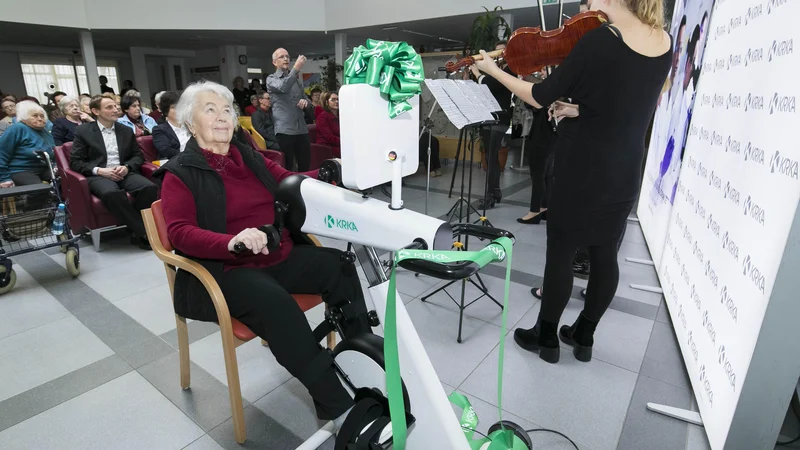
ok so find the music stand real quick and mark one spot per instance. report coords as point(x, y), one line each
point(468, 106)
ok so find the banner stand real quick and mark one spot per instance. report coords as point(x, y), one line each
point(646, 262)
point(644, 287)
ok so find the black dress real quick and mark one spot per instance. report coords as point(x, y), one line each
point(598, 155)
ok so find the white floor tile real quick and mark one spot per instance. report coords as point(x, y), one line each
point(114, 252)
point(152, 308)
point(588, 402)
point(27, 306)
point(204, 443)
point(39, 355)
point(123, 280)
point(259, 372)
point(291, 406)
point(438, 329)
point(126, 413)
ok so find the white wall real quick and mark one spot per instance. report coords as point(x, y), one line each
point(66, 13)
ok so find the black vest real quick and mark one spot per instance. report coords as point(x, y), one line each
point(190, 166)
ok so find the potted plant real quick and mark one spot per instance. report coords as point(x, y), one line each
point(330, 80)
point(487, 30)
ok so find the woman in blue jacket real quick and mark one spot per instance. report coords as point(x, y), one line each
point(19, 164)
point(134, 118)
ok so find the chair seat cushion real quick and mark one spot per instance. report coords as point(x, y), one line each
point(305, 302)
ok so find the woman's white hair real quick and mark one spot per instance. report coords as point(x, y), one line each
point(26, 109)
point(184, 110)
point(66, 100)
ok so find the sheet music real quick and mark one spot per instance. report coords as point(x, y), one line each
point(448, 106)
point(487, 94)
point(471, 112)
point(473, 93)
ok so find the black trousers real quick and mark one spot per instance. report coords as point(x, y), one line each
point(436, 163)
point(295, 146)
point(492, 140)
point(540, 164)
point(114, 196)
point(260, 298)
point(33, 201)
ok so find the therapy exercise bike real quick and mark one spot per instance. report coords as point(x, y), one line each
point(326, 207)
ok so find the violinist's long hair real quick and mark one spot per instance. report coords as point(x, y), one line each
point(650, 12)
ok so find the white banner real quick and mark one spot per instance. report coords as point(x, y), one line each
point(690, 30)
point(735, 201)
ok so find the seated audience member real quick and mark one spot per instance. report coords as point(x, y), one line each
point(169, 138)
point(134, 118)
point(214, 195)
point(52, 109)
point(9, 107)
point(436, 163)
point(264, 121)
point(316, 93)
point(241, 93)
point(49, 125)
point(19, 165)
point(127, 85)
point(84, 101)
point(253, 106)
point(104, 88)
point(64, 127)
point(328, 122)
point(107, 154)
point(156, 113)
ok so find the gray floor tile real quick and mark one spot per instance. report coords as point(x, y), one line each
point(663, 360)
point(519, 300)
point(204, 443)
point(152, 308)
point(438, 329)
point(28, 307)
point(259, 372)
point(114, 252)
point(696, 438)
point(197, 330)
point(42, 354)
point(647, 429)
point(587, 402)
point(95, 420)
point(663, 312)
point(411, 286)
point(34, 401)
point(620, 339)
point(262, 433)
point(142, 352)
point(206, 401)
point(291, 406)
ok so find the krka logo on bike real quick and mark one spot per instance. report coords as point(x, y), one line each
point(343, 224)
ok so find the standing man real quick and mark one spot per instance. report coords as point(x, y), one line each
point(107, 154)
point(493, 136)
point(264, 122)
point(288, 110)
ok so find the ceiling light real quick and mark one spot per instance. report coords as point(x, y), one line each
point(418, 33)
point(389, 28)
point(450, 40)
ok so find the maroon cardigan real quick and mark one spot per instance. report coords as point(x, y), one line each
point(328, 131)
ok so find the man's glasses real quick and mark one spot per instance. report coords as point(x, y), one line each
point(283, 57)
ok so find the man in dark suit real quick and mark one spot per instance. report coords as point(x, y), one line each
point(263, 121)
point(108, 155)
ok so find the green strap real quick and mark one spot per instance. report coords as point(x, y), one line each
point(502, 439)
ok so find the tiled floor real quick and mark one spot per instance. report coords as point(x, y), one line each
point(91, 363)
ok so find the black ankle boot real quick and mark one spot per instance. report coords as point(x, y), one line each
point(581, 337)
point(542, 339)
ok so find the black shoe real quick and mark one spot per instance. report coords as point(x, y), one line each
point(542, 339)
point(487, 203)
point(142, 243)
point(497, 195)
point(583, 293)
point(580, 336)
point(581, 269)
point(534, 291)
point(535, 219)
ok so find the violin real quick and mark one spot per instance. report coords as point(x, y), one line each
point(529, 49)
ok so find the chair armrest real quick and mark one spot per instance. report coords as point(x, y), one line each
point(148, 169)
point(75, 188)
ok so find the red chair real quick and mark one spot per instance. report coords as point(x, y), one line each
point(312, 133)
point(86, 211)
point(149, 153)
point(319, 153)
point(272, 155)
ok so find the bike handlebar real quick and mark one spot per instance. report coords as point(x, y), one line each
point(273, 239)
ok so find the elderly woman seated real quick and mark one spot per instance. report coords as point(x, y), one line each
point(214, 195)
point(134, 118)
point(19, 164)
point(9, 107)
point(64, 127)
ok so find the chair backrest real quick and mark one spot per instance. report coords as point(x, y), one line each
point(161, 225)
point(149, 151)
point(257, 141)
point(312, 133)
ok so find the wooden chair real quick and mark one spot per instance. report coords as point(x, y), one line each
point(234, 333)
point(247, 124)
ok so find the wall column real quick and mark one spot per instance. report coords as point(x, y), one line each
point(140, 81)
point(90, 62)
point(510, 21)
point(229, 64)
point(340, 50)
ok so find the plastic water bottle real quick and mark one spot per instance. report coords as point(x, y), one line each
point(59, 220)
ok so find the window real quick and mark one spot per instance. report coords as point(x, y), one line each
point(44, 76)
point(254, 70)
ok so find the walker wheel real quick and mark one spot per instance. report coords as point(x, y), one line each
point(519, 432)
point(12, 280)
point(73, 262)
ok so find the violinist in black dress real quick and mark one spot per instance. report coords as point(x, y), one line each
point(613, 77)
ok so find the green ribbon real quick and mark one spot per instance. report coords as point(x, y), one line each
point(394, 68)
point(503, 439)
